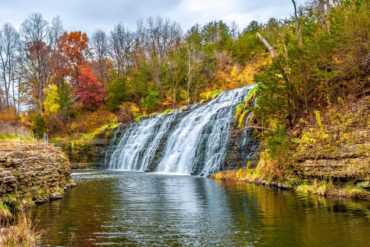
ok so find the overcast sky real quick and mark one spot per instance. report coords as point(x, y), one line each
point(89, 15)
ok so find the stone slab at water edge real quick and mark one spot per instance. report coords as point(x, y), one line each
point(32, 173)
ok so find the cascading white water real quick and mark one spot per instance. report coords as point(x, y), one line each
point(194, 142)
point(207, 125)
point(140, 141)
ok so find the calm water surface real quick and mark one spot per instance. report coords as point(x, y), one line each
point(138, 209)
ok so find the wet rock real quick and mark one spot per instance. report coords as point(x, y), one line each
point(55, 196)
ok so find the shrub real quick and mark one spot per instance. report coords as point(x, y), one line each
point(39, 125)
point(116, 93)
point(150, 101)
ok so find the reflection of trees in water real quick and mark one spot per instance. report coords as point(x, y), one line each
point(282, 218)
point(79, 215)
point(140, 209)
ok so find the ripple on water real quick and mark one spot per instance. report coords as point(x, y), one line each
point(137, 209)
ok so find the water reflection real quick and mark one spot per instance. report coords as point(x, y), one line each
point(135, 209)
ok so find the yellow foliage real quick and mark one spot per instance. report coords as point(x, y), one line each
point(25, 120)
point(88, 122)
point(241, 174)
point(50, 103)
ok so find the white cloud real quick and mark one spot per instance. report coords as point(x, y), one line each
point(89, 15)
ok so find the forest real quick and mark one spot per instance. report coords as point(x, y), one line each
point(282, 103)
point(67, 84)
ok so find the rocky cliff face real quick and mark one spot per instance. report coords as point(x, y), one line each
point(243, 149)
point(31, 173)
point(90, 153)
point(341, 151)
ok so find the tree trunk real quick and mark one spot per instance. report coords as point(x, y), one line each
point(267, 44)
point(297, 29)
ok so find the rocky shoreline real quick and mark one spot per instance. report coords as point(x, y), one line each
point(32, 173)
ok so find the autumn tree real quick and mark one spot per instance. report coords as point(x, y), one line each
point(73, 49)
point(51, 102)
point(89, 92)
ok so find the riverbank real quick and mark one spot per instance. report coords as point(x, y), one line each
point(30, 174)
point(316, 187)
point(328, 153)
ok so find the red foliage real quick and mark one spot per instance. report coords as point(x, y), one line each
point(90, 91)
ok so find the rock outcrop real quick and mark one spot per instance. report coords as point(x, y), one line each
point(344, 152)
point(243, 149)
point(32, 173)
point(89, 153)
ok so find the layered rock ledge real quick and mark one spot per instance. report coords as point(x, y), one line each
point(32, 173)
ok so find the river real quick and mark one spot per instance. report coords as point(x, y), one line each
point(140, 209)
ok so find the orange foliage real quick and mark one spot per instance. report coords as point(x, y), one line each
point(89, 121)
point(72, 48)
point(8, 115)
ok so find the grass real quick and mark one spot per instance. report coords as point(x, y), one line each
point(4, 212)
point(316, 187)
point(22, 234)
point(245, 174)
point(16, 137)
point(326, 188)
point(105, 127)
point(319, 188)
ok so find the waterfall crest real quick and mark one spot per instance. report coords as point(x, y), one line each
point(192, 141)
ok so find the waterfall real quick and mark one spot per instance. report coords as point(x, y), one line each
point(191, 141)
point(138, 144)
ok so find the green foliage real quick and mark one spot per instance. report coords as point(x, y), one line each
point(66, 103)
point(150, 101)
point(39, 124)
point(104, 128)
point(332, 129)
point(4, 211)
point(319, 188)
point(238, 110)
point(246, 47)
point(303, 73)
point(116, 93)
point(278, 142)
point(211, 95)
point(251, 95)
point(242, 118)
point(243, 109)
point(7, 137)
point(4, 136)
point(168, 111)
